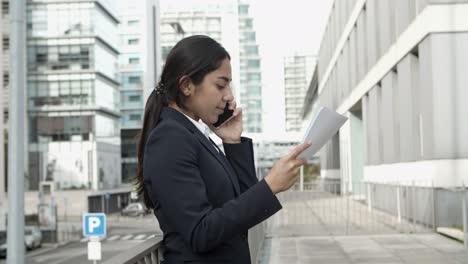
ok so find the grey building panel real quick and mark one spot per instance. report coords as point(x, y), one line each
point(461, 78)
point(388, 118)
point(344, 15)
point(426, 98)
point(361, 39)
point(330, 156)
point(405, 12)
point(386, 26)
point(406, 108)
point(352, 60)
point(332, 30)
point(371, 35)
point(420, 5)
point(339, 18)
point(374, 126)
point(340, 81)
point(365, 122)
point(346, 73)
point(443, 88)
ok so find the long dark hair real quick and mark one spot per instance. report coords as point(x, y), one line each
point(194, 57)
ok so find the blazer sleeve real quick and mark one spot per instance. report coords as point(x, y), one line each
point(241, 158)
point(171, 173)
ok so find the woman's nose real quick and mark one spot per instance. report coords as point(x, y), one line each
point(228, 96)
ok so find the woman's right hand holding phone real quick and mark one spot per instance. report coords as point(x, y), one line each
point(284, 174)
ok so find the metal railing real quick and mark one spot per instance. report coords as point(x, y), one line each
point(349, 208)
point(151, 251)
point(147, 252)
point(359, 208)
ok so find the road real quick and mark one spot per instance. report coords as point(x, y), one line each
point(122, 234)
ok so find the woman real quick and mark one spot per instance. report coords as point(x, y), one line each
point(205, 200)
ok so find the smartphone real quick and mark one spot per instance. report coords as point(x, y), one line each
point(224, 117)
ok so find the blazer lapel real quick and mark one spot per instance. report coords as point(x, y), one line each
point(227, 167)
point(174, 114)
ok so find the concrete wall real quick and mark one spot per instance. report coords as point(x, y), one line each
point(71, 203)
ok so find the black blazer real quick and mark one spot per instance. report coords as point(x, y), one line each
point(205, 202)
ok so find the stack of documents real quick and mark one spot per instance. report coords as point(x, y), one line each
point(322, 128)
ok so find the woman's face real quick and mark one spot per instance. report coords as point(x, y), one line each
point(208, 99)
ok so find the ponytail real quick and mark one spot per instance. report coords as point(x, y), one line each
point(156, 101)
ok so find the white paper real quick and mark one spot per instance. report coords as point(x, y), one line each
point(322, 128)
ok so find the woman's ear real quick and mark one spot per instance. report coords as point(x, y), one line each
point(186, 86)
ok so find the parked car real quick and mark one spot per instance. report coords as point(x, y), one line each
point(32, 237)
point(135, 209)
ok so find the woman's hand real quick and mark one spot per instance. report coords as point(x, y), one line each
point(283, 175)
point(231, 131)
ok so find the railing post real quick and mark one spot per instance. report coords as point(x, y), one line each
point(434, 227)
point(398, 203)
point(302, 179)
point(369, 198)
point(465, 217)
point(347, 209)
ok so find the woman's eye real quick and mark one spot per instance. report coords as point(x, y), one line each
point(220, 86)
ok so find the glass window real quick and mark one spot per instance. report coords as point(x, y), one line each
point(165, 52)
point(135, 117)
point(253, 63)
point(243, 9)
point(134, 98)
point(134, 61)
point(248, 23)
point(253, 77)
point(134, 79)
point(133, 41)
point(133, 22)
point(250, 36)
point(252, 50)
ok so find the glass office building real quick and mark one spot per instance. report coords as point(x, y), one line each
point(139, 68)
point(297, 71)
point(73, 94)
point(250, 72)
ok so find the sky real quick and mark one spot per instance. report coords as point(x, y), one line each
point(283, 29)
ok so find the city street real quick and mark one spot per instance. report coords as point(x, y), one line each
point(123, 233)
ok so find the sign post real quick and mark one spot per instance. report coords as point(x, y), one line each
point(94, 226)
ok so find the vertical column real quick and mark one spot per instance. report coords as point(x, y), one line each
point(388, 119)
point(15, 250)
point(371, 34)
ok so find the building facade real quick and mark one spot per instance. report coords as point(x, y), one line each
point(297, 72)
point(139, 68)
point(396, 69)
point(250, 72)
point(73, 94)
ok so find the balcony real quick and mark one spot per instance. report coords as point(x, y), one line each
point(327, 221)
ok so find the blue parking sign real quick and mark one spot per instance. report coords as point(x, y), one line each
point(94, 225)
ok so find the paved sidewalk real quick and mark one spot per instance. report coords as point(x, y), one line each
point(318, 227)
point(382, 249)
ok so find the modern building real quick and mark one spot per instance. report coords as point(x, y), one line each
point(73, 94)
point(250, 72)
point(216, 19)
point(139, 68)
point(297, 72)
point(397, 70)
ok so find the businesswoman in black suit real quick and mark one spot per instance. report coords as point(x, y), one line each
point(204, 199)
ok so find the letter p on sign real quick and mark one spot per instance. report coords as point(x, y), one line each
point(94, 225)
